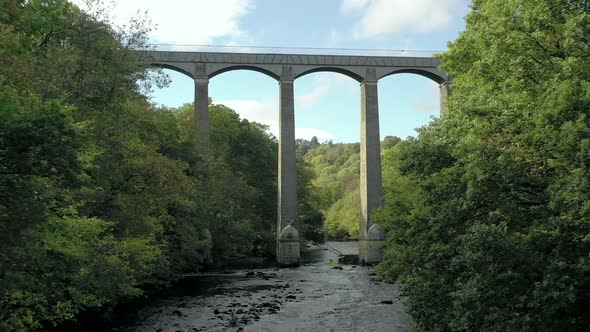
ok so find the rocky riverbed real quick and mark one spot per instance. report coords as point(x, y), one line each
point(317, 296)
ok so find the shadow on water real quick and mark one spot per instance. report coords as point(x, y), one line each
point(209, 285)
point(217, 282)
point(329, 251)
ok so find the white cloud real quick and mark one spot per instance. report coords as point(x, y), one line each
point(381, 17)
point(308, 133)
point(351, 5)
point(429, 102)
point(265, 111)
point(185, 21)
point(312, 97)
point(322, 85)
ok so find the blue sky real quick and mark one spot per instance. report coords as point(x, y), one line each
point(327, 105)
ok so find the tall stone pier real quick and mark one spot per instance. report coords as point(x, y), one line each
point(370, 177)
point(201, 105)
point(286, 68)
point(288, 223)
point(445, 93)
point(202, 114)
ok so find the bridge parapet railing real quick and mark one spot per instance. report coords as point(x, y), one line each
point(292, 50)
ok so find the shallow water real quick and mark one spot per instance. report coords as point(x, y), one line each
point(312, 297)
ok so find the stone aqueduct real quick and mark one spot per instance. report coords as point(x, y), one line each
point(285, 68)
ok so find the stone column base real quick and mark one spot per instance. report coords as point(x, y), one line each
point(370, 252)
point(206, 236)
point(288, 247)
point(288, 252)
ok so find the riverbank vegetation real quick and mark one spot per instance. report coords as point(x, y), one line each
point(487, 210)
point(104, 196)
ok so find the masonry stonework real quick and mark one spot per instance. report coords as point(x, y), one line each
point(285, 68)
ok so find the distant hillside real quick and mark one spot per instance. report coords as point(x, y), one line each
point(336, 183)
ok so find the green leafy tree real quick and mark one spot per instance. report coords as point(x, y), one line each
point(98, 191)
point(335, 187)
point(242, 186)
point(497, 237)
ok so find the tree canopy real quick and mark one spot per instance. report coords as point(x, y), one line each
point(495, 235)
point(104, 196)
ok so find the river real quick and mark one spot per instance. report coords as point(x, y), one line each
point(317, 296)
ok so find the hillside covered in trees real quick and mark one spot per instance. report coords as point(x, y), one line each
point(335, 183)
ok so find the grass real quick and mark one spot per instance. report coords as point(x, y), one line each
point(333, 264)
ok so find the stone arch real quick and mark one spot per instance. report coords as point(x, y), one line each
point(338, 70)
point(185, 71)
point(438, 77)
point(434, 75)
point(245, 67)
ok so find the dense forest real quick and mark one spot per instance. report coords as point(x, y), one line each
point(105, 198)
point(488, 210)
point(335, 168)
point(335, 181)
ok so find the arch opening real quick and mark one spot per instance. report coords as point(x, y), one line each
point(327, 130)
point(172, 68)
point(438, 78)
point(180, 90)
point(342, 71)
point(245, 67)
point(258, 102)
point(407, 101)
